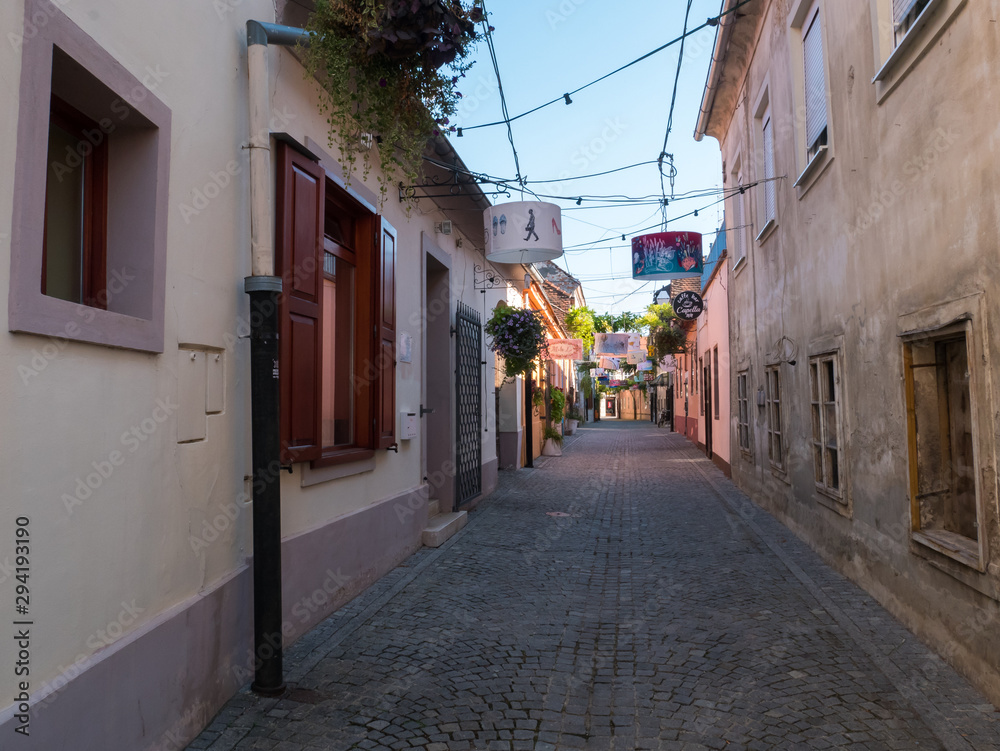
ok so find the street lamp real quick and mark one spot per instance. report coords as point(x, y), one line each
point(662, 295)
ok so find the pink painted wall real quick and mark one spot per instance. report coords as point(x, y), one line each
point(713, 332)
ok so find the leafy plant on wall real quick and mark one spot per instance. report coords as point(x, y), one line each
point(557, 405)
point(390, 70)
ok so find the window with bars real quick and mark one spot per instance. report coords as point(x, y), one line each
point(743, 411)
point(815, 82)
point(824, 384)
point(772, 396)
point(701, 370)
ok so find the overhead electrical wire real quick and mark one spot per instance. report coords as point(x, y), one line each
point(714, 21)
point(670, 121)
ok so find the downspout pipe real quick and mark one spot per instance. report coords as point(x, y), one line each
point(264, 288)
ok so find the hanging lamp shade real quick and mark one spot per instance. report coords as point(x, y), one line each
point(523, 232)
point(667, 255)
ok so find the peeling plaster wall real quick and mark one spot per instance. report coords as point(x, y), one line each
point(903, 217)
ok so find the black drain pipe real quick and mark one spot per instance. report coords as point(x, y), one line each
point(264, 288)
point(268, 665)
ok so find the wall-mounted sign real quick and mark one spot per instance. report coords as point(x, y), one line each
point(688, 305)
point(565, 349)
point(523, 232)
point(648, 377)
point(667, 255)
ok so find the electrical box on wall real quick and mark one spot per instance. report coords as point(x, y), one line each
point(407, 425)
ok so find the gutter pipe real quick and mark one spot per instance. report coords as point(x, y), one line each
point(264, 288)
point(714, 70)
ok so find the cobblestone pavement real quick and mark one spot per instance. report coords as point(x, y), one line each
point(623, 596)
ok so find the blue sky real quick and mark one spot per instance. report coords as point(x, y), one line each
point(550, 47)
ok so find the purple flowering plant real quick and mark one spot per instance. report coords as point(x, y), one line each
point(518, 336)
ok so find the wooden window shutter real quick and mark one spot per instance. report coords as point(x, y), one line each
point(385, 393)
point(299, 262)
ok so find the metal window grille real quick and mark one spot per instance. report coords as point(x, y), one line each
point(468, 393)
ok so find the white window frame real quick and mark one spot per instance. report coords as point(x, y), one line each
point(805, 19)
point(773, 406)
point(744, 436)
point(739, 215)
point(822, 430)
point(767, 203)
point(899, 46)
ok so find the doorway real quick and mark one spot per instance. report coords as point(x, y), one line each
point(706, 382)
point(439, 437)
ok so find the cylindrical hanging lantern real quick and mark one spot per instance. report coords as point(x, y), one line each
point(523, 232)
point(667, 255)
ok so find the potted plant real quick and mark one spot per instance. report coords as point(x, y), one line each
point(557, 405)
point(518, 336)
point(553, 442)
point(390, 69)
point(573, 418)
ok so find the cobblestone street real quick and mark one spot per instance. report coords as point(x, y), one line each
point(622, 596)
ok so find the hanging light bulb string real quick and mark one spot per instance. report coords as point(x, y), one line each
point(566, 98)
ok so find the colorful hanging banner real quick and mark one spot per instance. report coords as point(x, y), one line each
point(647, 365)
point(637, 356)
point(609, 363)
point(611, 344)
point(667, 255)
point(603, 380)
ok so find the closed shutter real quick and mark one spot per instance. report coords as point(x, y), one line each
point(299, 262)
point(900, 8)
point(738, 222)
point(385, 392)
point(815, 81)
point(769, 197)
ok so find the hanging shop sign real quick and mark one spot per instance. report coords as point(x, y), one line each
point(637, 356)
point(615, 345)
point(643, 366)
point(648, 377)
point(523, 232)
point(604, 380)
point(565, 349)
point(615, 383)
point(688, 305)
point(669, 363)
point(667, 255)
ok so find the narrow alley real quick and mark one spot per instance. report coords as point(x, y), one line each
point(623, 596)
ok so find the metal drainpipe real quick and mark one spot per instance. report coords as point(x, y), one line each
point(264, 287)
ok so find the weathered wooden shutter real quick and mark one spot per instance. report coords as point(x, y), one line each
point(769, 187)
point(385, 392)
point(298, 261)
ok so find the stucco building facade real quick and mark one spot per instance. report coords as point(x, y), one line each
point(126, 406)
point(859, 142)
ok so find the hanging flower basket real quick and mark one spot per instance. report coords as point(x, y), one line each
point(390, 69)
point(518, 336)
